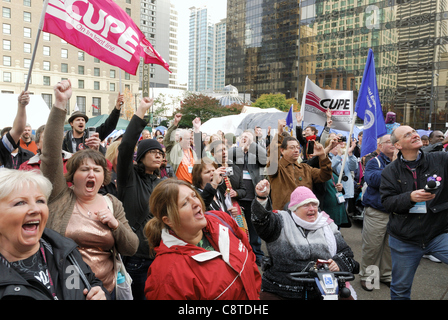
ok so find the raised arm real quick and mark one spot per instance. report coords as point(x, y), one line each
point(20, 120)
point(111, 122)
point(52, 165)
point(126, 149)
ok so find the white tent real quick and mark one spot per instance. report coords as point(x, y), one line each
point(248, 109)
point(227, 124)
point(37, 110)
point(230, 124)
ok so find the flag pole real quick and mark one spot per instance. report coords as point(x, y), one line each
point(120, 81)
point(349, 143)
point(39, 31)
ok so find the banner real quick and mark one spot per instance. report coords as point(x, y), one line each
point(102, 29)
point(317, 101)
point(368, 108)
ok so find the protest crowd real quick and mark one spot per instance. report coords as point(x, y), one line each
point(182, 214)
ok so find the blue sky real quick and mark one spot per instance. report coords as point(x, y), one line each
point(217, 10)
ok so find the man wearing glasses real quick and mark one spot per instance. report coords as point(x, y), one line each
point(286, 173)
point(180, 154)
point(375, 240)
point(413, 190)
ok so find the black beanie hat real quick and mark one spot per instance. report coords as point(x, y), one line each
point(146, 145)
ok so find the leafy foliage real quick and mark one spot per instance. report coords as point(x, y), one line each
point(277, 101)
point(204, 107)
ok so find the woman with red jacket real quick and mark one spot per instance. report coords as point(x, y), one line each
point(199, 255)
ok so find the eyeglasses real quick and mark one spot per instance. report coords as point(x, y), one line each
point(409, 134)
point(157, 152)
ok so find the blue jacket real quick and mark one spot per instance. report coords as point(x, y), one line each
point(372, 176)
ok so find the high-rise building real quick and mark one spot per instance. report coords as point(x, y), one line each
point(156, 23)
point(262, 46)
point(207, 52)
point(201, 50)
point(220, 55)
point(408, 38)
point(94, 83)
point(174, 49)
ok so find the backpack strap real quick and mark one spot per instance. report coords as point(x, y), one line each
point(222, 221)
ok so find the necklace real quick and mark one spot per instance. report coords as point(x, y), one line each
point(89, 213)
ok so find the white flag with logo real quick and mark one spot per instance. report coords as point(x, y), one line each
point(316, 101)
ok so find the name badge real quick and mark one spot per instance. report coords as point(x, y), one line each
point(190, 169)
point(340, 197)
point(246, 175)
point(419, 207)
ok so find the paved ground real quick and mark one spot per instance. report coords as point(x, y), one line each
point(430, 283)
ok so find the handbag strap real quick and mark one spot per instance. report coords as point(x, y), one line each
point(109, 203)
point(222, 221)
point(81, 273)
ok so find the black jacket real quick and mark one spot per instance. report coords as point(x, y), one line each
point(208, 195)
point(104, 130)
point(134, 188)
point(14, 287)
point(397, 184)
point(7, 145)
point(255, 159)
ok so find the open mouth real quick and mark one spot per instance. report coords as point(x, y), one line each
point(31, 226)
point(90, 185)
point(199, 215)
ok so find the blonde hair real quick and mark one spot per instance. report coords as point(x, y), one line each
point(14, 180)
point(112, 151)
point(163, 203)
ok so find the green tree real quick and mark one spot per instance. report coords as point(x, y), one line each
point(204, 107)
point(277, 101)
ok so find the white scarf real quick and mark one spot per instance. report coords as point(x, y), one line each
point(321, 222)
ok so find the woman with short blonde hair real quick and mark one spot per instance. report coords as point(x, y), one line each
point(28, 249)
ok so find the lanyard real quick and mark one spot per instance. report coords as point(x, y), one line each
point(16, 162)
point(414, 175)
point(53, 292)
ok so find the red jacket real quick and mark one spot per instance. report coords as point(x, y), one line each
point(184, 271)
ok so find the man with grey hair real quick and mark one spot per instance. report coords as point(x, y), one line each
point(179, 154)
point(375, 240)
point(413, 190)
point(146, 134)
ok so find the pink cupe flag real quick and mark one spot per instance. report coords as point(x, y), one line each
point(102, 29)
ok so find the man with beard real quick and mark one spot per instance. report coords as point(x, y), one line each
point(77, 139)
point(11, 154)
point(26, 142)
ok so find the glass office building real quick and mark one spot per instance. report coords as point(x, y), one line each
point(409, 39)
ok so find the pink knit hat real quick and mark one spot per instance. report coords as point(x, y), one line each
point(300, 197)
